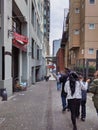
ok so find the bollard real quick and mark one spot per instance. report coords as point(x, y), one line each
point(4, 94)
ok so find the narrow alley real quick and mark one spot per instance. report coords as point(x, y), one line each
point(40, 108)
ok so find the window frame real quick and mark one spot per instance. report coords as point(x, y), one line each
point(76, 31)
point(77, 10)
point(91, 27)
point(91, 51)
point(92, 3)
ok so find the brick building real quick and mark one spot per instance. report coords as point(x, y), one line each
point(60, 60)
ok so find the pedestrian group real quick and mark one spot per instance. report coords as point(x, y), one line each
point(74, 89)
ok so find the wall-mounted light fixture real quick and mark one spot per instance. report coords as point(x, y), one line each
point(10, 33)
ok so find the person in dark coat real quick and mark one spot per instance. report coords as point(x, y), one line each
point(94, 89)
point(63, 79)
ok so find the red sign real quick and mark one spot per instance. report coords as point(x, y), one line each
point(20, 41)
point(21, 38)
point(51, 66)
point(18, 45)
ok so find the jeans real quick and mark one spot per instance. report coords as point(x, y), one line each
point(83, 108)
point(58, 85)
point(63, 101)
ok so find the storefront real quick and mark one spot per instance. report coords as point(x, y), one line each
point(19, 50)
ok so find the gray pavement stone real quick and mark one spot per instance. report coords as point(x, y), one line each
point(40, 108)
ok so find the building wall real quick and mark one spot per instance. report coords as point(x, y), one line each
point(74, 24)
point(91, 37)
point(30, 69)
point(46, 22)
point(89, 14)
point(74, 31)
point(5, 46)
point(60, 60)
point(81, 45)
point(56, 46)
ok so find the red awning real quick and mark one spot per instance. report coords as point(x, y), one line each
point(18, 45)
point(20, 41)
point(51, 66)
point(20, 37)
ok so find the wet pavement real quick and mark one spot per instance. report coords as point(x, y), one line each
point(40, 108)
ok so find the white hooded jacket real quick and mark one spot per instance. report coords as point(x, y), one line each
point(77, 94)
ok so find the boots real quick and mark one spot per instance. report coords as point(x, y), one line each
point(74, 127)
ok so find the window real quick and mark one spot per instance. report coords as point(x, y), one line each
point(32, 14)
point(44, 30)
point(77, 10)
point(92, 1)
point(44, 21)
point(38, 53)
point(91, 51)
point(32, 48)
point(91, 26)
point(44, 12)
point(76, 31)
point(82, 51)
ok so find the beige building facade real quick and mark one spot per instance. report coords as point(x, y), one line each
point(83, 31)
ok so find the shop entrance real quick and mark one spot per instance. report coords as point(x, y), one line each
point(37, 74)
point(15, 64)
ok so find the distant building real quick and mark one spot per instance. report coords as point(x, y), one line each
point(46, 23)
point(56, 46)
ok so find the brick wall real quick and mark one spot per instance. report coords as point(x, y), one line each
point(60, 60)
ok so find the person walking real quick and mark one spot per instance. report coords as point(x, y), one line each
point(57, 77)
point(94, 89)
point(63, 79)
point(73, 89)
point(84, 83)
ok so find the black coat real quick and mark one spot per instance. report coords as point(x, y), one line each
point(63, 80)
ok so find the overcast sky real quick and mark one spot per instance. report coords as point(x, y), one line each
point(56, 18)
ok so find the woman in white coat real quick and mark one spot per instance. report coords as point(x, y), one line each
point(73, 89)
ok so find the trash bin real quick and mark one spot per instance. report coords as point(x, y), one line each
point(3, 94)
